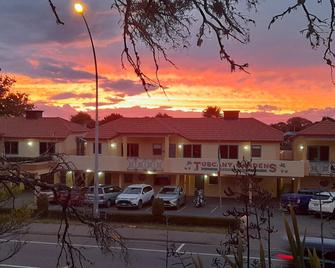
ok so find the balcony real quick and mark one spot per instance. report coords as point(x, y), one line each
point(271, 168)
point(321, 168)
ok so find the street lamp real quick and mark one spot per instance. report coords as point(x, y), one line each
point(79, 8)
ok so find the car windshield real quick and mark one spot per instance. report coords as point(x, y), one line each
point(91, 190)
point(132, 190)
point(321, 197)
point(168, 190)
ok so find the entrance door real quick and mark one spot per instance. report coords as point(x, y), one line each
point(199, 182)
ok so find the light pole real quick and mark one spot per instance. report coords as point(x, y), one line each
point(79, 8)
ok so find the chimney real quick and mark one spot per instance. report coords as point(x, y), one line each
point(34, 114)
point(231, 115)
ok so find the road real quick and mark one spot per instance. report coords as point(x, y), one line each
point(42, 251)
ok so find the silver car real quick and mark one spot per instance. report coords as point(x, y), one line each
point(107, 194)
point(173, 196)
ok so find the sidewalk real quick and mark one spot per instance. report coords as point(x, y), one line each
point(134, 233)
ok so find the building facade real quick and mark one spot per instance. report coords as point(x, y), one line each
point(187, 152)
point(315, 146)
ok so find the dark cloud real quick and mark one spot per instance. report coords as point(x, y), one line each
point(128, 87)
point(267, 108)
point(70, 95)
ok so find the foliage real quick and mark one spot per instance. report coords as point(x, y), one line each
point(107, 238)
point(84, 119)
point(212, 111)
point(163, 115)
point(158, 207)
point(109, 118)
point(12, 104)
point(169, 24)
point(297, 245)
point(293, 124)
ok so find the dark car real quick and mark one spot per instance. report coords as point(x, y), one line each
point(299, 201)
point(173, 196)
point(311, 243)
point(107, 194)
point(74, 197)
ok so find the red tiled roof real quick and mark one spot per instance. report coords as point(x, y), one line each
point(43, 128)
point(193, 129)
point(323, 128)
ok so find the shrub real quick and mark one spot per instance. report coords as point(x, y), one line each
point(157, 207)
point(42, 204)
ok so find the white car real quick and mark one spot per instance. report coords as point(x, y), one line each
point(135, 195)
point(327, 200)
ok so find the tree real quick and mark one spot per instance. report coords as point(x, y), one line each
point(297, 123)
point(282, 126)
point(12, 104)
point(163, 115)
point(111, 117)
point(84, 119)
point(12, 221)
point(162, 25)
point(212, 111)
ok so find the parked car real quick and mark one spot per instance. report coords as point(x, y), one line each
point(299, 201)
point(74, 197)
point(327, 201)
point(107, 194)
point(135, 195)
point(47, 192)
point(311, 243)
point(173, 196)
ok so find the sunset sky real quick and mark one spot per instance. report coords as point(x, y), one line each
point(54, 65)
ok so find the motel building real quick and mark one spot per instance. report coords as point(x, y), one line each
point(184, 151)
point(315, 146)
point(24, 138)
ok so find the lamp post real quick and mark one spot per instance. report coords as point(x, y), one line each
point(79, 8)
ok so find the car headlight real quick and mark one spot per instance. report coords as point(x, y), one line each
point(298, 201)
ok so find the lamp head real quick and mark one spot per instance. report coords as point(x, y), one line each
point(79, 8)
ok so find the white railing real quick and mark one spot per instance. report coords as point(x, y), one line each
point(321, 168)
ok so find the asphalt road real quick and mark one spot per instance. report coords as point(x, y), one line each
point(42, 251)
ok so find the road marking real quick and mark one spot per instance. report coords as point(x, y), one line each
point(214, 209)
point(180, 247)
point(17, 266)
point(128, 248)
point(181, 209)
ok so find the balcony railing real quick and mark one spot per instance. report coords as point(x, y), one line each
point(271, 168)
point(321, 168)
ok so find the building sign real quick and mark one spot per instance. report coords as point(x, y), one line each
point(263, 167)
point(145, 164)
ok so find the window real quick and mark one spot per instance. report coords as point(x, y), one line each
point(147, 189)
point(229, 151)
point(99, 150)
point(132, 149)
point(157, 149)
point(80, 146)
point(11, 147)
point(196, 151)
point(187, 151)
point(213, 180)
point(47, 147)
point(192, 151)
point(318, 153)
point(172, 150)
point(47, 178)
point(256, 150)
